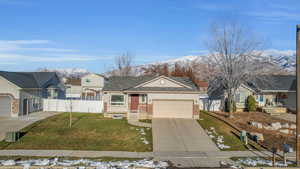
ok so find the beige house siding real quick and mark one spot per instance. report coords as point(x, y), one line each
point(8, 87)
point(166, 83)
point(169, 96)
point(115, 108)
point(243, 94)
point(73, 91)
point(92, 80)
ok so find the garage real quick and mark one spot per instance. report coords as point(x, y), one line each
point(173, 109)
point(5, 106)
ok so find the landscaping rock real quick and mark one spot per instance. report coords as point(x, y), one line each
point(293, 126)
point(286, 125)
point(285, 131)
point(257, 136)
point(256, 124)
point(276, 125)
point(269, 128)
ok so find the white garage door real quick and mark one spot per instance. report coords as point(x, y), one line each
point(172, 109)
point(5, 106)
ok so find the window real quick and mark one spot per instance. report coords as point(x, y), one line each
point(237, 98)
point(88, 80)
point(117, 100)
point(143, 98)
point(261, 98)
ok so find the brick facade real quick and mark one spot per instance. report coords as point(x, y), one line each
point(15, 104)
point(105, 107)
point(150, 109)
point(15, 107)
point(196, 109)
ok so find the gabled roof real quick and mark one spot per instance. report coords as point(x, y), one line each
point(28, 79)
point(73, 81)
point(121, 83)
point(275, 83)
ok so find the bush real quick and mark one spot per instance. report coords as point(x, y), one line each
point(251, 103)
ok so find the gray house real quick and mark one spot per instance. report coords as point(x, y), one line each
point(276, 92)
point(22, 92)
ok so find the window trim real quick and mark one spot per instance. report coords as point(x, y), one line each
point(145, 98)
point(117, 103)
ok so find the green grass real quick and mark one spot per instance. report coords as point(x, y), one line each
point(146, 121)
point(89, 132)
point(222, 129)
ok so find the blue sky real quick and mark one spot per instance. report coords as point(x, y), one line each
point(89, 34)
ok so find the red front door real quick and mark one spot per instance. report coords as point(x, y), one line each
point(134, 102)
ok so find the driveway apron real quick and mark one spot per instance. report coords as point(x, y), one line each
point(178, 135)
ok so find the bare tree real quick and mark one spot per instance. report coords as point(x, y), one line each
point(124, 65)
point(235, 58)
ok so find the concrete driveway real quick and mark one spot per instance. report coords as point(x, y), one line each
point(180, 135)
point(15, 124)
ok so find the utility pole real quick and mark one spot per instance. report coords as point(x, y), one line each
point(298, 95)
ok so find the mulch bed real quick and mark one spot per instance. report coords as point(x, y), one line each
point(271, 138)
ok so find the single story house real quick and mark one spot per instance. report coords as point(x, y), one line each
point(146, 97)
point(87, 87)
point(276, 91)
point(22, 92)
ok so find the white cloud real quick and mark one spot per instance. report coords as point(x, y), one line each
point(22, 45)
point(13, 58)
point(20, 51)
point(25, 42)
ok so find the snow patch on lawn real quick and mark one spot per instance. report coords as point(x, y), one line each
point(254, 162)
point(86, 163)
point(219, 139)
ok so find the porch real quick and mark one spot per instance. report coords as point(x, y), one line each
point(138, 106)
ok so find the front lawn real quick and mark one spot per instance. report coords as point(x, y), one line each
point(207, 121)
point(89, 132)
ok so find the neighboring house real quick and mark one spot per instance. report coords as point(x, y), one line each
point(22, 92)
point(92, 85)
point(277, 91)
point(73, 87)
point(147, 97)
point(87, 87)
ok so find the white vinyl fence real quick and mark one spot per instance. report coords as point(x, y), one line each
point(83, 106)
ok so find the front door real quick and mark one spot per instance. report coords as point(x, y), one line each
point(134, 102)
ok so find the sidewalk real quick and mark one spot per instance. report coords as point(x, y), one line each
point(17, 123)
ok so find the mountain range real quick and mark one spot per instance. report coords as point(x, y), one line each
point(286, 59)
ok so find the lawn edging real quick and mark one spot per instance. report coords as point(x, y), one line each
point(139, 123)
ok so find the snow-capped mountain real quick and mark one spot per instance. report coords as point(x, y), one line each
point(284, 58)
point(184, 59)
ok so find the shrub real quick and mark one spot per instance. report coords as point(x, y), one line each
point(251, 103)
